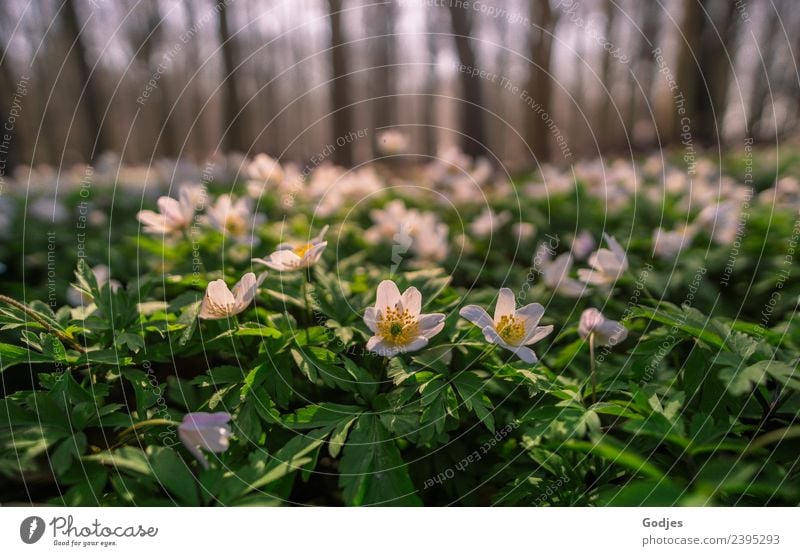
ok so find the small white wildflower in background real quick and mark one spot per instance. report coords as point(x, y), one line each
point(669, 244)
point(209, 431)
point(232, 218)
point(431, 239)
point(393, 141)
point(524, 231)
point(221, 302)
point(392, 220)
point(555, 275)
point(513, 329)
point(488, 222)
point(294, 257)
point(397, 322)
point(607, 265)
point(582, 245)
point(606, 332)
point(264, 172)
point(174, 215)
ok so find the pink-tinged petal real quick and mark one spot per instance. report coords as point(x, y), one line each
point(616, 248)
point(592, 277)
point(190, 445)
point(412, 300)
point(202, 418)
point(377, 345)
point(539, 333)
point(217, 292)
point(531, 314)
point(476, 315)
point(491, 335)
point(371, 319)
point(555, 272)
point(388, 295)
point(313, 255)
point(431, 324)
point(525, 353)
point(591, 319)
point(606, 261)
point(610, 333)
point(245, 290)
point(505, 304)
point(284, 260)
point(416, 344)
point(571, 288)
point(154, 223)
point(321, 234)
point(170, 208)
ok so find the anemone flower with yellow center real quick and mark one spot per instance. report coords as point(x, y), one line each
point(397, 322)
point(221, 302)
point(514, 329)
point(289, 257)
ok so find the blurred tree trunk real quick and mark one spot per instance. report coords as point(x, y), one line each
point(431, 88)
point(235, 137)
point(540, 81)
point(760, 80)
point(642, 67)
point(608, 104)
point(705, 64)
point(340, 93)
point(383, 59)
point(474, 139)
point(92, 99)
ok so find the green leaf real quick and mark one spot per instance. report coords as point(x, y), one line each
point(11, 355)
point(372, 472)
point(173, 473)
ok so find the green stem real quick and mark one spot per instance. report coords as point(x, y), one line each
point(35, 316)
point(593, 369)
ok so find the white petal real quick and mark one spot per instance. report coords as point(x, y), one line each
point(431, 324)
point(505, 304)
point(388, 295)
point(245, 289)
point(476, 315)
point(416, 344)
point(531, 314)
point(412, 300)
point(284, 260)
point(555, 272)
point(538, 333)
point(371, 318)
point(524, 353)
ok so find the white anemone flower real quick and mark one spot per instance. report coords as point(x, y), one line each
point(209, 431)
point(488, 222)
point(294, 257)
point(513, 329)
point(393, 141)
point(669, 244)
point(221, 302)
point(607, 265)
point(555, 275)
point(397, 322)
point(174, 215)
point(230, 217)
point(264, 172)
point(606, 332)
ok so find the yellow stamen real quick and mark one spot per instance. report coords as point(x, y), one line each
point(397, 328)
point(511, 329)
point(235, 225)
point(302, 250)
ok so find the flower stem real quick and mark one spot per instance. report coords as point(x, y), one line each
point(35, 316)
point(592, 366)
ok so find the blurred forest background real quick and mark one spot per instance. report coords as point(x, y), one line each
point(153, 79)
